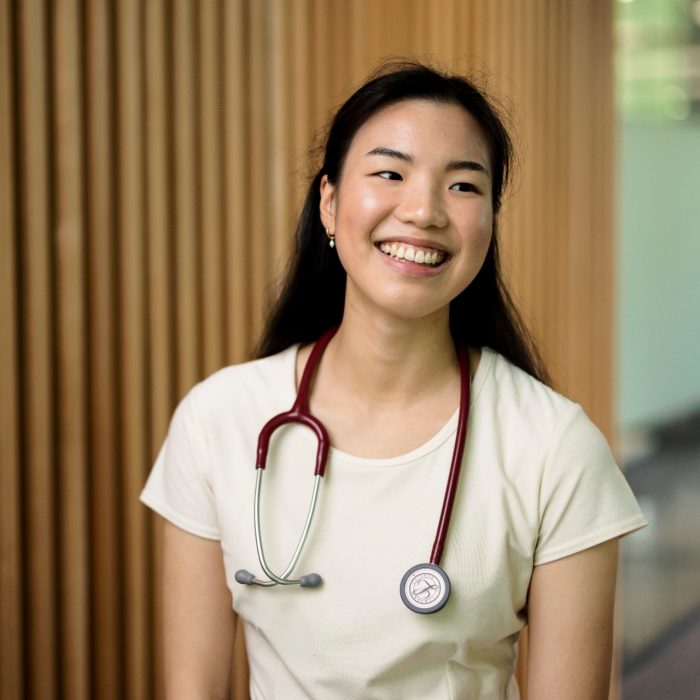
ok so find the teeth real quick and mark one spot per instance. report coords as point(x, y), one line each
point(402, 252)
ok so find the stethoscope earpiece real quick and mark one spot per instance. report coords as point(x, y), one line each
point(244, 576)
point(247, 578)
point(310, 581)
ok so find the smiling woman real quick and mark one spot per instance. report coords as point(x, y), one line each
point(394, 339)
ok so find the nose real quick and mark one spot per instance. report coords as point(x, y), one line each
point(422, 206)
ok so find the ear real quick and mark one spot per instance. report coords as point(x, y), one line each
point(327, 207)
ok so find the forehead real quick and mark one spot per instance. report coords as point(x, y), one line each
point(423, 127)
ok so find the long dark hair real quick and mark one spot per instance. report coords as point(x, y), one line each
point(312, 295)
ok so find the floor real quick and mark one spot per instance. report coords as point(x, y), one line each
point(661, 571)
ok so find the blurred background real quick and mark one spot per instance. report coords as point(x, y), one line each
point(658, 328)
point(152, 157)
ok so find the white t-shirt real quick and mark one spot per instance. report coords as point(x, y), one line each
point(538, 483)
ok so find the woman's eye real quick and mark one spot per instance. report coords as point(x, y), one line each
point(464, 187)
point(389, 175)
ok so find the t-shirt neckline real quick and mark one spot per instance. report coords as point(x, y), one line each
point(433, 443)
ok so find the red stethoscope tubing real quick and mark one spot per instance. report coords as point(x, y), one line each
point(299, 413)
point(457, 456)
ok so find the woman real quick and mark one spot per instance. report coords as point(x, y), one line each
point(397, 248)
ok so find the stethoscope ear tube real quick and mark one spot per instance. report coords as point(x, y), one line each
point(307, 581)
point(294, 416)
point(299, 413)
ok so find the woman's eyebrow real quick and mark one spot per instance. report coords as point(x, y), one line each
point(467, 165)
point(472, 165)
point(391, 152)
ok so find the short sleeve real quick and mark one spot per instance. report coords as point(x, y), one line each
point(584, 497)
point(179, 485)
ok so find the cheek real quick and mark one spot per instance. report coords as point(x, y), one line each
point(358, 205)
point(479, 229)
point(486, 230)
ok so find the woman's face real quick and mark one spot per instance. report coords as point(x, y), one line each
point(411, 213)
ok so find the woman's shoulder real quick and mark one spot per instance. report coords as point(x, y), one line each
point(545, 440)
point(527, 405)
point(511, 380)
point(246, 383)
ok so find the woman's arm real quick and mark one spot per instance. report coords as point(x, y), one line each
point(570, 618)
point(199, 622)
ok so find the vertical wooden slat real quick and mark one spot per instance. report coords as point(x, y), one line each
point(461, 29)
point(512, 242)
point(211, 176)
point(37, 354)
point(300, 58)
point(159, 219)
point(371, 31)
point(519, 247)
point(237, 221)
point(548, 250)
point(437, 31)
point(132, 345)
point(603, 252)
point(580, 195)
point(398, 29)
point(521, 663)
point(258, 246)
point(514, 236)
point(105, 570)
point(477, 33)
point(447, 16)
point(160, 262)
point(280, 139)
point(357, 37)
point(187, 281)
point(421, 37)
point(321, 62)
point(236, 214)
point(539, 248)
point(337, 28)
point(69, 241)
point(557, 168)
point(560, 369)
point(11, 580)
point(301, 126)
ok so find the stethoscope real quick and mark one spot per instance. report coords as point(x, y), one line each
point(424, 588)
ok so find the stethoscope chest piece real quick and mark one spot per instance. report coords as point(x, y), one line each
point(425, 588)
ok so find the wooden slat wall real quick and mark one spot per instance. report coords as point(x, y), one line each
point(152, 157)
point(11, 574)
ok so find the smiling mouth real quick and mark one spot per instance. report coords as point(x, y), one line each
point(421, 256)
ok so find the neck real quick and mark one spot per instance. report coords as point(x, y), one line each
point(392, 360)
